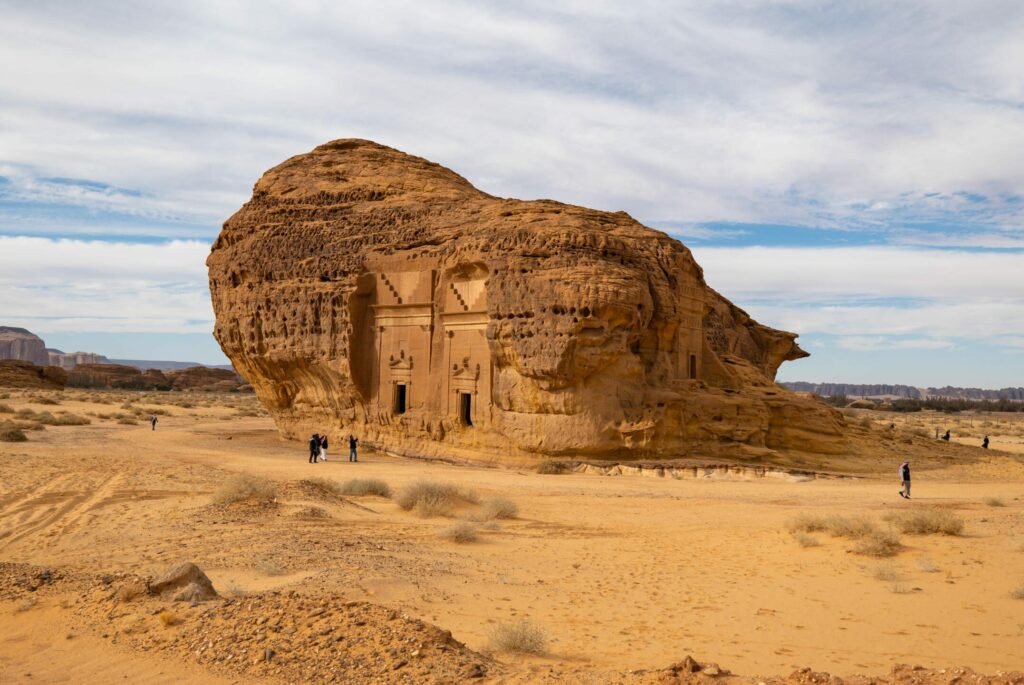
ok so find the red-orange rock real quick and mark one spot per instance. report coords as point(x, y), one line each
point(364, 290)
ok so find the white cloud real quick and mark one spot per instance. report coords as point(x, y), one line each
point(861, 293)
point(72, 285)
point(862, 343)
point(739, 111)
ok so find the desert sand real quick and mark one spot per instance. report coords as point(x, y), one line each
point(625, 574)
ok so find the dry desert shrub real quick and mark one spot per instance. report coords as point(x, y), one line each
point(269, 567)
point(25, 605)
point(834, 525)
point(460, 532)
point(806, 523)
point(127, 421)
point(805, 540)
point(888, 572)
point(900, 589)
point(519, 637)
point(244, 486)
point(928, 566)
point(994, 502)
point(497, 508)
point(6, 409)
point(926, 522)
point(429, 498)
point(12, 435)
point(68, 419)
point(1018, 593)
point(553, 468)
point(169, 618)
point(878, 543)
point(46, 400)
point(359, 487)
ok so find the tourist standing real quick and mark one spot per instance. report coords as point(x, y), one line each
point(314, 448)
point(946, 435)
point(353, 441)
point(152, 420)
point(905, 480)
point(323, 448)
point(984, 443)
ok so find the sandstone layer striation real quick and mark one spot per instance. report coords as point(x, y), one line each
point(368, 291)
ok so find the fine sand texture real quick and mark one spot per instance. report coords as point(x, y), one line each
point(620, 575)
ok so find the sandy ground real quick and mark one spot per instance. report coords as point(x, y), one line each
point(621, 572)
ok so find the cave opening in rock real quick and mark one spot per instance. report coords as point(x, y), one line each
point(466, 409)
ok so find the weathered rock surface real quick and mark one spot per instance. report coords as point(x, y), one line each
point(364, 290)
point(22, 374)
point(20, 344)
point(185, 582)
point(69, 360)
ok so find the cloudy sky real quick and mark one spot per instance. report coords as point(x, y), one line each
point(849, 171)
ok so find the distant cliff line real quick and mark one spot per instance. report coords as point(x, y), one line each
point(854, 390)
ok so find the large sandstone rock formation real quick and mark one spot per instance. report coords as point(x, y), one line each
point(18, 343)
point(15, 373)
point(364, 290)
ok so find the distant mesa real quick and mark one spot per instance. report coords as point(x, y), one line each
point(894, 392)
point(363, 289)
point(26, 362)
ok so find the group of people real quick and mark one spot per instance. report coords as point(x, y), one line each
point(318, 448)
point(905, 467)
point(946, 436)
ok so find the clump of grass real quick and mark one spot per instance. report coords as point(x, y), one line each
point(497, 508)
point(68, 419)
point(12, 435)
point(928, 566)
point(359, 487)
point(25, 605)
point(879, 543)
point(429, 498)
point(519, 637)
point(1018, 593)
point(127, 421)
point(805, 540)
point(900, 589)
point(461, 532)
point(6, 409)
point(926, 521)
point(169, 618)
point(269, 567)
point(836, 526)
point(994, 502)
point(553, 468)
point(244, 486)
point(46, 400)
point(887, 572)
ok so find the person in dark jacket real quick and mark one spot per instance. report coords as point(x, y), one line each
point(314, 448)
point(353, 441)
point(984, 443)
point(905, 480)
point(946, 436)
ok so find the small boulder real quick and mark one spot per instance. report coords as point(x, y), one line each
point(187, 582)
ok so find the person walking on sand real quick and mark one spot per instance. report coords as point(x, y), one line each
point(905, 480)
point(946, 435)
point(984, 443)
point(353, 441)
point(314, 448)
point(323, 448)
point(152, 420)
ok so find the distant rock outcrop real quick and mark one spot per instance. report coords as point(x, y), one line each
point(362, 289)
point(15, 373)
point(20, 344)
point(120, 376)
point(904, 391)
point(69, 360)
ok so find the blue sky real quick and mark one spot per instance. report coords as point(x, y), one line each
point(848, 171)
